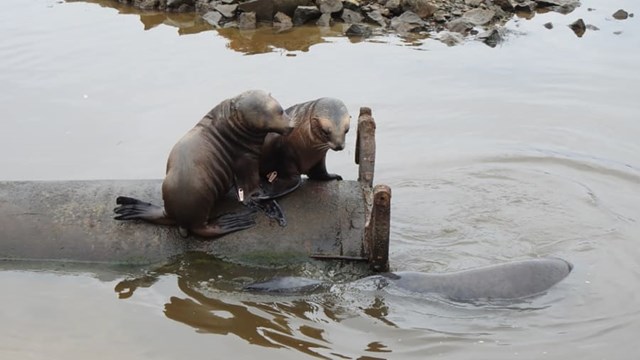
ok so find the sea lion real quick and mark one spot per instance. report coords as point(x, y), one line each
point(222, 150)
point(319, 125)
point(508, 281)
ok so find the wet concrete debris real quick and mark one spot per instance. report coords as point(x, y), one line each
point(247, 21)
point(305, 14)
point(620, 15)
point(578, 27)
point(548, 25)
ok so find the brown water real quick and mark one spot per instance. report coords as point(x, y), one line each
point(529, 149)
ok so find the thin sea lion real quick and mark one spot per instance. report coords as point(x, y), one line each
point(320, 125)
point(221, 151)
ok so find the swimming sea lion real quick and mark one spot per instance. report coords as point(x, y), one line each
point(508, 281)
point(222, 150)
point(319, 125)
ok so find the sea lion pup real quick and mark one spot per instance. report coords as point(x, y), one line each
point(319, 125)
point(222, 150)
point(508, 281)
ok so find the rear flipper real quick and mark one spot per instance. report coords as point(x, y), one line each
point(134, 209)
point(271, 208)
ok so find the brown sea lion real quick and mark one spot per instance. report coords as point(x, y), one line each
point(319, 125)
point(221, 151)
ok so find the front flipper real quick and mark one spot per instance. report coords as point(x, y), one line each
point(319, 172)
point(271, 208)
point(134, 209)
point(226, 223)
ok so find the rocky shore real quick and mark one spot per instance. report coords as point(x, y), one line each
point(449, 21)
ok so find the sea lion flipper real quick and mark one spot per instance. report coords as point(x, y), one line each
point(230, 222)
point(319, 172)
point(271, 208)
point(133, 209)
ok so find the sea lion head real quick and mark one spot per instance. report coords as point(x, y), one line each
point(330, 122)
point(261, 113)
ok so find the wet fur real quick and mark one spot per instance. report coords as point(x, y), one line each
point(319, 125)
point(221, 151)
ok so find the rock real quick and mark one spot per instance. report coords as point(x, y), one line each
point(149, 4)
point(505, 5)
point(490, 37)
point(460, 25)
point(304, 14)
point(393, 6)
point(548, 25)
point(441, 16)
point(351, 17)
point(592, 27)
point(620, 15)
point(230, 24)
point(450, 38)
point(262, 8)
point(578, 27)
point(407, 22)
point(474, 3)
point(352, 4)
point(324, 20)
point(288, 7)
point(422, 8)
point(358, 30)
point(227, 11)
point(479, 16)
point(329, 6)
point(177, 3)
point(526, 6)
point(282, 22)
point(247, 21)
point(376, 17)
point(561, 6)
point(617, 32)
point(228, 1)
point(213, 18)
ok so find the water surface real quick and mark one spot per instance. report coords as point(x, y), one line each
point(493, 154)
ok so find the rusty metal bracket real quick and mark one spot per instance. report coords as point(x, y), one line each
point(366, 147)
point(378, 199)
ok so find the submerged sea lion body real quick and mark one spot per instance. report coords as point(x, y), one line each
point(508, 281)
point(222, 150)
point(319, 125)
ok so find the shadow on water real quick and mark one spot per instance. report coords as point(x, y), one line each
point(214, 303)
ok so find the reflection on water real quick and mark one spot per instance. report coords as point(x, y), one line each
point(214, 303)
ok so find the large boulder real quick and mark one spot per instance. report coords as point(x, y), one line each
point(376, 17)
point(329, 6)
point(247, 21)
point(358, 30)
point(213, 18)
point(288, 7)
point(305, 14)
point(282, 22)
point(263, 9)
point(227, 11)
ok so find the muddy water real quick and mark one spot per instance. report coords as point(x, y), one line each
point(529, 149)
